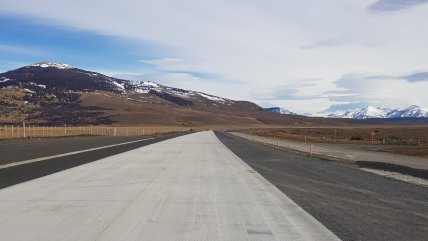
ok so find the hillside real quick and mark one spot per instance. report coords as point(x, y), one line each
point(51, 93)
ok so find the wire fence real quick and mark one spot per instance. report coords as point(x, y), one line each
point(388, 136)
point(34, 131)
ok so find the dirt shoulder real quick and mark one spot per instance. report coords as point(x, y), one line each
point(414, 166)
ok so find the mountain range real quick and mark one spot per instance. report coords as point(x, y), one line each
point(54, 93)
point(371, 112)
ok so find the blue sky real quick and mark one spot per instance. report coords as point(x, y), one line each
point(23, 42)
point(306, 56)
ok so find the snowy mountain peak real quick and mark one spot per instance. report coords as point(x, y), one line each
point(279, 110)
point(364, 113)
point(52, 65)
point(411, 111)
point(369, 112)
point(374, 112)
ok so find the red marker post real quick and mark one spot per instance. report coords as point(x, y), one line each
point(373, 134)
point(335, 135)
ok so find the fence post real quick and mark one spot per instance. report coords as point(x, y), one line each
point(23, 126)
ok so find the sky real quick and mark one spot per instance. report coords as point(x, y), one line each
point(308, 56)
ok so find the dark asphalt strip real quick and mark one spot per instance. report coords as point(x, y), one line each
point(25, 149)
point(354, 204)
point(22, 173)
point(394, 168)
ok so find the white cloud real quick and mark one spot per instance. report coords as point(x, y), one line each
point(21, 50)
point(170, 64)
point(258, 43)
point(394, 5)
point(379, 90)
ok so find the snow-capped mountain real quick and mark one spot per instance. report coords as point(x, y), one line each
point(68, 83)
point(382, 113)
point(279, 110)
point(57, 93)
point(411, 111)
point(364, 113)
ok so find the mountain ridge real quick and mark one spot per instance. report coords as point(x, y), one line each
point(56, 77)
point(58, 93)
point(371, 112)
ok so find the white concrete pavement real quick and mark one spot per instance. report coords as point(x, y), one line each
point(187, 188)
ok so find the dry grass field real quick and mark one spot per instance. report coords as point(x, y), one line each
point(406, 140)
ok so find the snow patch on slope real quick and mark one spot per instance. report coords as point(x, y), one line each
point(3, 79)
point(118, 85)
point(149, 83)
point(52, 65)
point(212, 97)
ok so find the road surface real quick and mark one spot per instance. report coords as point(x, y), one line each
point(187, 188)
point(354, 204)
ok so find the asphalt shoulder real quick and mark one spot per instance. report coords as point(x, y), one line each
point(36, 149)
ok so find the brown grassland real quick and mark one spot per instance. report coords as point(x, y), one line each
point(399, 139)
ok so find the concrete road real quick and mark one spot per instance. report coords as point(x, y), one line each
point(187, 188)
point(354, 204)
